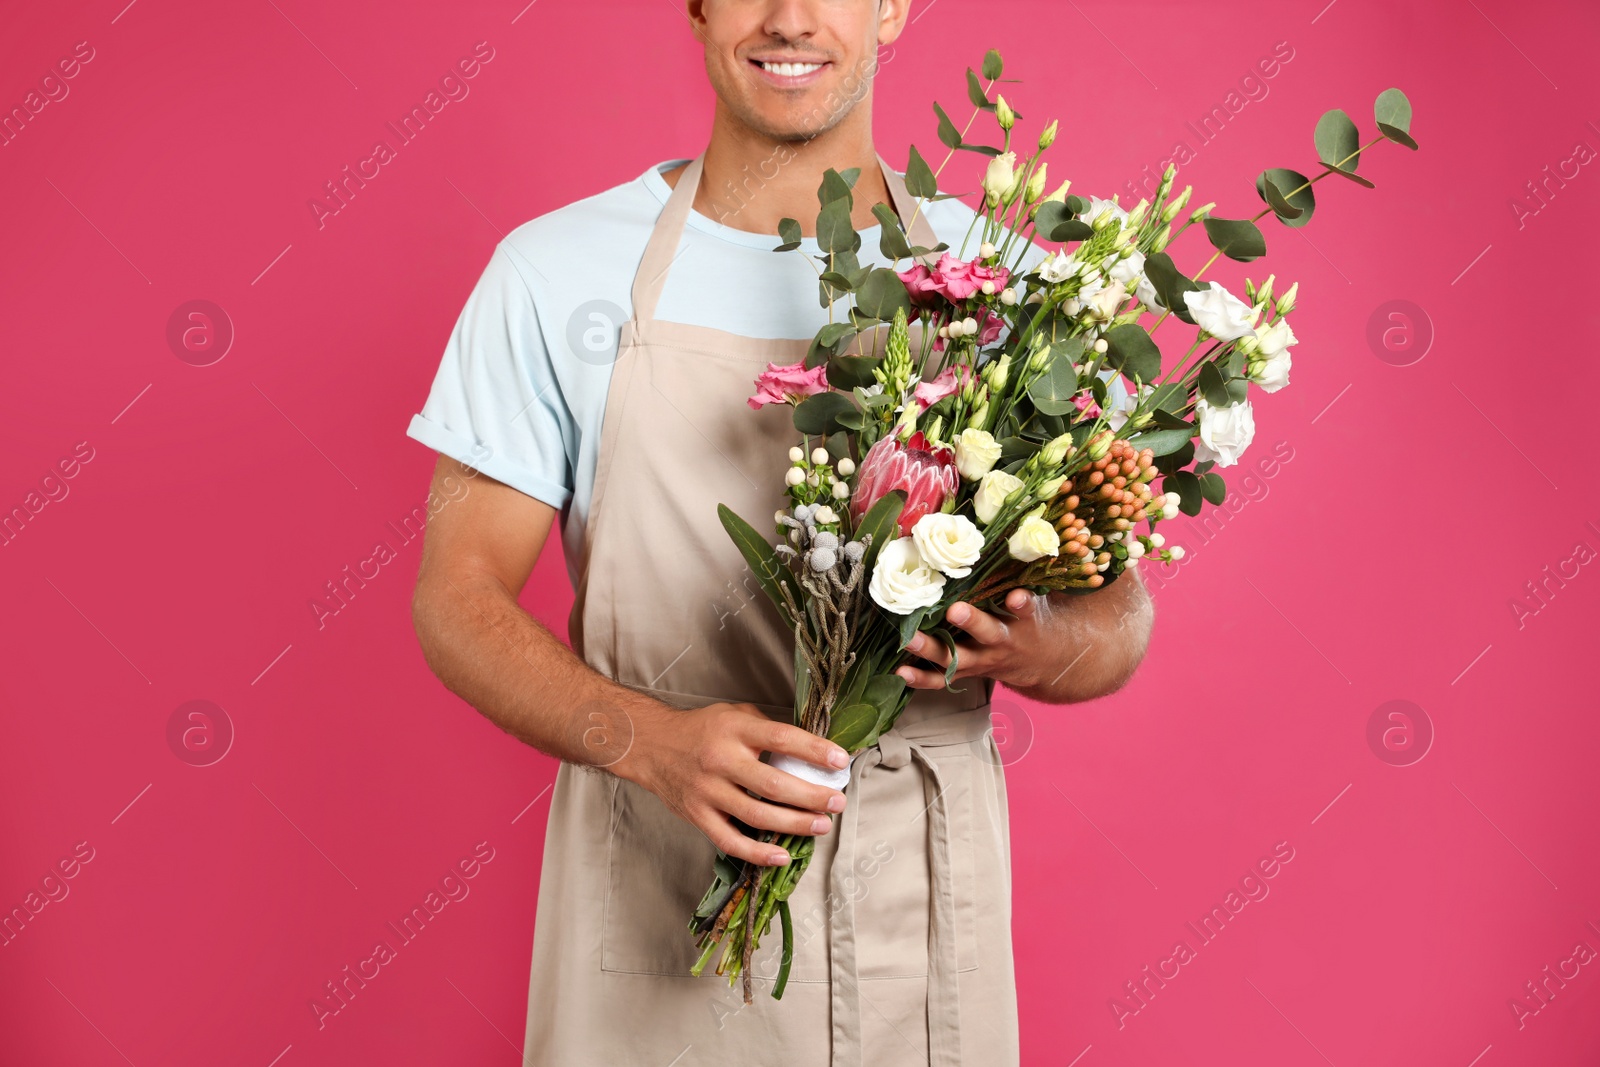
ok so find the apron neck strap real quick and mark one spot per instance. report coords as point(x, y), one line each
point(668, 232)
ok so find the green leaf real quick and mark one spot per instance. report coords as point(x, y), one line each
point(1170, 284)
point(885, 692)
point(1275, 199)
point(1236, 238)
point(851, 728)
point(1052, 391)
point(1187, 486)
point(975, 92)
point(1162, 442)
point(981, 149)
point(836, 186)
point(1212, 386)
point(1058, 224)
point(1017, 448)
point(1213, 488)
point(789, 230)
point(847, 372)
point(834, 232)
point(891, 238)
point(1338, 141)
point(1076, 205)
point(993, 65)
point(828, 341)
point(819, 414)
point(1358, 179)
point(949, 642)
point(1171, 396)
point(948, 134)
point(757, 553)
point(1292, 188)
point(1174, 461)
point(910, 624)
point(1130, 350)
point(835, 281)
point(881, 522)
point(1392, 111)
point(919, 176)
point(882, 294)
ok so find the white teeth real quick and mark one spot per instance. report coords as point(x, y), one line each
point(790, 70)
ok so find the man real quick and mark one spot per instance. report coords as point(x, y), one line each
point(679, 678)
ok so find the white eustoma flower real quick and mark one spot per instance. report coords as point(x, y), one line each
point(1034, 537)
point(992, 493)
point(1225, 432)
point(1105, 300)
point(1059, 267)
point(999, 176)
point(976, 453)
point(1220, 313)
point(1271, 372)
point(949, 542)
point(902, 581)
point(1097, 207)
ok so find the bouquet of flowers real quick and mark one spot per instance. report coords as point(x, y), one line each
point(971, 426)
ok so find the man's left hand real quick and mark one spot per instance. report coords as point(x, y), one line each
point(1009, 650)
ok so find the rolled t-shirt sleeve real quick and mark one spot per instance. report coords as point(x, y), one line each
point(496, 404)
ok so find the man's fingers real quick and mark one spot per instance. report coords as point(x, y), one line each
point(931, 649)
point(720, 829)
point(1021, 603)
point(760, 815)
point(781, 787)
point(801, 744)
point(983, 627)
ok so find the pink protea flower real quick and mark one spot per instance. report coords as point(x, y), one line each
point(780, 385)
point(926, 471)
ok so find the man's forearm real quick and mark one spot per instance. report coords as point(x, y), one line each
point(504, 662)
point(1099, 639)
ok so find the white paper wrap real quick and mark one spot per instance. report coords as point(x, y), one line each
point(810, 772)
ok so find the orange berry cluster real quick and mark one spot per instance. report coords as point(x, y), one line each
point(1108, 497)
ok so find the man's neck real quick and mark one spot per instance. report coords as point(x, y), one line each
point(750, 182)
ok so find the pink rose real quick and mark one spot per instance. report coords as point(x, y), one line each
point(782, 385)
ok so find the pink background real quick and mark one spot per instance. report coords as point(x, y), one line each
point(1380, 563)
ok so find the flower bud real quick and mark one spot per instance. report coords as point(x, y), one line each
point(1202, 211)
point(1003, 113)
point(1056, 450)
point(847, 467)
point(794, 476)
point(1048, 137)
point(1136, 216)
point(1167, 178)
point(1036, 183)
point(1286, 302)
point(997, 373)
point(986, 250)
point(1181, 201)
point(1159, 244)
point(1265, 292)
point(819, 455)
point(979, 419)
point(1060, 194)
point(935, 428)
point(1100, 444)
point(796, 455)
point(1041, 353)
point(1008, 296)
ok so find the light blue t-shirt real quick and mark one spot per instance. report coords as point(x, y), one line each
point(521, 390)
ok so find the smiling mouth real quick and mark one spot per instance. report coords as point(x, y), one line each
point(788, 69)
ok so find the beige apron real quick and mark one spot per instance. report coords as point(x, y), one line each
point(903, 921)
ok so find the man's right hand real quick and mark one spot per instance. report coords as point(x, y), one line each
point(700, 763)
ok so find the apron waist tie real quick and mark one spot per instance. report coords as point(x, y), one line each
point(892, 752)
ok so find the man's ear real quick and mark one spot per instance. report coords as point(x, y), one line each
point(892, 19)
point(696, 10)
